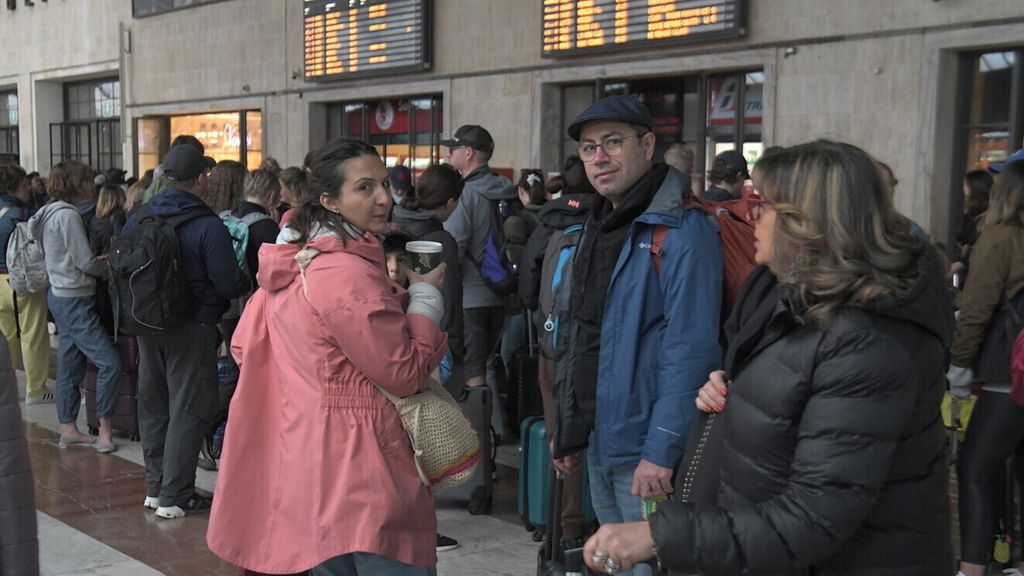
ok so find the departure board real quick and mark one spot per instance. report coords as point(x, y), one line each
point(573, 27)
point(345, 38)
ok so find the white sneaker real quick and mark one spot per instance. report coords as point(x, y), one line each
point(170, 512)
point(1012, 572)
point(152, 502)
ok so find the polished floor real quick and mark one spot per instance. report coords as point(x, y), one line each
point(92, 522)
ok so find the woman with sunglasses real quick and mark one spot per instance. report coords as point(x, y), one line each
point(832, 456)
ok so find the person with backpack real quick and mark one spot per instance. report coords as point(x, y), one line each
point(476, 225)
point(73, 268)
point(22, 316)
point(545, 288)
point(178, 393)
point(105, 226)
point(644, 312)
point(250, 226)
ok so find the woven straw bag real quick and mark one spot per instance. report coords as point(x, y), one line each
point(444, 444)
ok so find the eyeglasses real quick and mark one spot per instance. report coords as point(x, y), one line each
point(612, 147)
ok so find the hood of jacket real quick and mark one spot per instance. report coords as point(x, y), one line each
point(566, 210)
point(280, 263)
point(490, 185)
point(917, 305)
point(415, 223)
point(174, 201)
point(35, 224)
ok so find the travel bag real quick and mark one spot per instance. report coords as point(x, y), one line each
point(126, 413)
point(478, 490)
point(534, 476)
point(523, 384)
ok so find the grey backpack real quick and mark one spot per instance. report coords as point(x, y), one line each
point(26, 261)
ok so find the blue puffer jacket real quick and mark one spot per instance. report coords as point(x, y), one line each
point(17, 211)
point(659, 335)
point(210, 269)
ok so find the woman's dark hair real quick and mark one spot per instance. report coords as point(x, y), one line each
point(434, 188)
point(556, 185)
point(533, 182)
point(979, 184)
point(296, 180)
point(225, 185)
point(575, 175)
point(11, 176)
point(327, 174)
point(1006, 203)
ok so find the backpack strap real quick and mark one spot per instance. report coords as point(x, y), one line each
point(657, 242)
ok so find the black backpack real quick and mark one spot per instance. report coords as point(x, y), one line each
point(145, 277)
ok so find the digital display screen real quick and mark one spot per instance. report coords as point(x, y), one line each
point(574, 27)
point(345, 38)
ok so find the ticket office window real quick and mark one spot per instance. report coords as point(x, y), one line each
point(9, 148)
point(701, 111)
point(405, 131)
point(235, 135)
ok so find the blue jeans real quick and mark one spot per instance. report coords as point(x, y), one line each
point(612, 500)
point(366, 564)
point(82, 337)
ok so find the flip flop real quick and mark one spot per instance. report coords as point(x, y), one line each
point(64, 443)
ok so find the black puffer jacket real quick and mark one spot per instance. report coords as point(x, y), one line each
point(19, 548)
point(834, 457)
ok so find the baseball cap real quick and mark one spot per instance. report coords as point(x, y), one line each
point(619, 108)
point(733, 161)
point(999, 166)
point(401, 178)
point(183, 163)
point(471, 135)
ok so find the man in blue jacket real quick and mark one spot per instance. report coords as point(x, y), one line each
point(644, 318)
point(178, 396)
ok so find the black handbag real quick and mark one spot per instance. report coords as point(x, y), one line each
point(700, 469)
point(992, 364)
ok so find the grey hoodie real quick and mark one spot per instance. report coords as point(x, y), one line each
point(469, 225)
point(70, 261)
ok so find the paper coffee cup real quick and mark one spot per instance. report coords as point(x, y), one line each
point(424, 255)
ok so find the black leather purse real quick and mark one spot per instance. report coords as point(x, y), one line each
point(993, 362)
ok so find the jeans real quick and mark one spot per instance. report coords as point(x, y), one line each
point(366, 564)
point(612, 500)
point(81, 337)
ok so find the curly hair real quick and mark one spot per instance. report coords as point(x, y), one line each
point(838, 239)
point(70, 181)
point(11, 177)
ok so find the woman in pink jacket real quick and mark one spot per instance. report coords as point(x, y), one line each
point(317, 471)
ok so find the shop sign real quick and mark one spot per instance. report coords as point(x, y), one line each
point(725, 94)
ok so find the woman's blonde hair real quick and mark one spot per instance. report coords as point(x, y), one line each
point(110, 198)
point(1006, 201)
point(838, 238)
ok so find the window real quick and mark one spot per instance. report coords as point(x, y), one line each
point(405, 131)
point(91, 131)
point(990, 118)
point(9, 126)
point(701, 111)
point(236, 135)
point(143, 8)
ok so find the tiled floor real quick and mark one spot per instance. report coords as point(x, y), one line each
point(92, 522)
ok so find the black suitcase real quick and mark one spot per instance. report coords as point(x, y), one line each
point(126, 414)
point(478, 491)
point(524, 385)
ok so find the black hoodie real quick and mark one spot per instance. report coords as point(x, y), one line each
point(833, 460)
point(557, 214)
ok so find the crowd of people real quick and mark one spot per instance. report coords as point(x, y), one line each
point(809, 404)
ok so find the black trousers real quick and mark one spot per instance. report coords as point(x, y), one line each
point(995, 432)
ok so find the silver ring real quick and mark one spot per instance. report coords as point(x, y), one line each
point(599, 556)
point(612, 567)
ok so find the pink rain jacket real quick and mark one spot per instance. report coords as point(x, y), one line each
point(316, 462)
